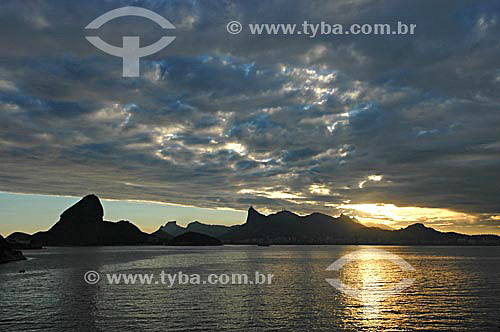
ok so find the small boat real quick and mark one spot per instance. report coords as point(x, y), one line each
point(263, 244)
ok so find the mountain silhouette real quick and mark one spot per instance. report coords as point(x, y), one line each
point(83, 225)
point(7, 254)
point(173, 229)
point(286, 227)
point(19, 240)
point(289, 228)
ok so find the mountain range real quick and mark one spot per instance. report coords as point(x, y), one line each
point(83, 225)
point(286, 227)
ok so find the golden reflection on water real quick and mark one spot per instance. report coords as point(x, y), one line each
point(374, 277)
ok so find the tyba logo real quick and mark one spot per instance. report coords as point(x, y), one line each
point(131, 52)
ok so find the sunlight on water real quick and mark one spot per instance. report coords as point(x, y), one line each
point(454, 288)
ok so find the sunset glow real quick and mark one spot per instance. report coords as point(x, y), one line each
point(395, 216)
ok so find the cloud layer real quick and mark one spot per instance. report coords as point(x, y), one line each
point(220, 120)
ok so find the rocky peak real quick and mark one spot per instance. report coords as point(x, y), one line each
point(254, 216)
point(89, 209)
point(171, 223)
point(344, 217)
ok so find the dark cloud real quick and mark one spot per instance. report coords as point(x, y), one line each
point(276, 121)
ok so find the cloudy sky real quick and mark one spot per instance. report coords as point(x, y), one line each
point(391, 129)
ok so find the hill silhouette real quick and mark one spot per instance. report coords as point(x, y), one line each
point(173, 229)
point(83, 225)
point(194, 239)
point(159, 237)
point(7, 254)
point(23, 241)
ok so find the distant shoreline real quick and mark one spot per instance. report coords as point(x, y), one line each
point(272, 245)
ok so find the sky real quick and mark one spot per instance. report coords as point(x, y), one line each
point(391, 129)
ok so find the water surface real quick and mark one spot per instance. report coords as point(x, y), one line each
point(455, 288)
